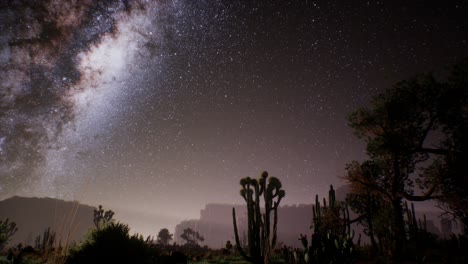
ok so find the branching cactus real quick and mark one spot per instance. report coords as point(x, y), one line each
point(414, 226)
point(101, 217)
point(261, 232)
point(332, 237)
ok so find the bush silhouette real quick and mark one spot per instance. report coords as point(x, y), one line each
point(113, 244)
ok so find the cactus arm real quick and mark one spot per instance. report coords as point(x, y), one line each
point(257, 233)
point(236, 234)
point(263, 182)
point(275, 225)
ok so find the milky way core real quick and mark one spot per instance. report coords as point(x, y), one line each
point(66, 68)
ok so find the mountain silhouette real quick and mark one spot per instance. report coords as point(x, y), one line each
point(33, 215)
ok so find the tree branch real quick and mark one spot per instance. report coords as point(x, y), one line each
point(420, 198)
point(433, 151)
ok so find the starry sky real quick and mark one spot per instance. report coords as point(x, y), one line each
point(159, 107)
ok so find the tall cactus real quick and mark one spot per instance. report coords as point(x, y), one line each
point(332, 237)
point(415, 226)
point(260, 232)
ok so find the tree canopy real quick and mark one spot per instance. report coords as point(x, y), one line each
point(191, 237)
point(164, 236)
point(416, 144)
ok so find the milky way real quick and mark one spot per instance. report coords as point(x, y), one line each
point(159, 107)
point(64, 67)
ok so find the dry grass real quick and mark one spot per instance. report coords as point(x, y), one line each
point(66, 229)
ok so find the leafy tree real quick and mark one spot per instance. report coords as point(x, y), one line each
point(367, 202)
point(451, 170)
point(7, 230)
point(415, 135)
point(191, 237)
point(164, 236)
point(101, 217)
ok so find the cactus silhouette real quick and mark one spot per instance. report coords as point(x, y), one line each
point(101, 217)
point(261, 232)
point(332, 237)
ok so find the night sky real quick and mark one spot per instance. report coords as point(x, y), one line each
point(160, 107)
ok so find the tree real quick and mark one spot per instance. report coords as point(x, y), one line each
point(191, 237)
point(415, 135)
point(451, 170)
point(368, 203)
point(261, 231)
point(101, 217)
point(164, 236)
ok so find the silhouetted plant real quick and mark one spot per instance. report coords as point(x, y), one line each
point(418, 127)
point(420, 242)
point(7, 230)
point(228, 248)
point(261, 232)
point(191, 237)
point(369, 205)
point(332, 237)
point(101, 217)
point(113, 244)
point(46, 244)
point(164, 236)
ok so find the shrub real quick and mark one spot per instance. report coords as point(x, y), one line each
point(113, 244)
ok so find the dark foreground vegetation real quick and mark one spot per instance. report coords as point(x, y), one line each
point(416, 135)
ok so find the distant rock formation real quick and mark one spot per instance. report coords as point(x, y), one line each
point(215, 224)
point(33, 215)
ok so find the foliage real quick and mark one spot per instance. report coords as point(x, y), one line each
point(261, 232)
point(415, 135)
point(191, 237)
point(113, 244)
point(7, 230)
point(101, 217)
point(369, 204)
point(451, 170)
point(164, 236)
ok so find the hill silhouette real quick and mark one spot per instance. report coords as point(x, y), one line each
point(33, 215)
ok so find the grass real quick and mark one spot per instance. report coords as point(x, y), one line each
point(68, 227)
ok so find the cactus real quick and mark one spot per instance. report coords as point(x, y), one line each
point(415, 226)
point(332, 237)
point(418, 240)
point(260, 231)
point(46, 244)
point(101, 217)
